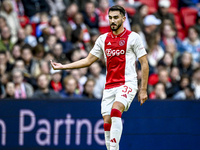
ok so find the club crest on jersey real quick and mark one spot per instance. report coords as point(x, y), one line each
point(121, 42)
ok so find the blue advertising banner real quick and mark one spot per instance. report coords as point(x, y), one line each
point(78, 125)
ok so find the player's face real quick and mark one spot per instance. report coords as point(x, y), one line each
point(116, 20)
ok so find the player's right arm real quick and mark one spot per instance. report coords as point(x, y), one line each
point(75, 65)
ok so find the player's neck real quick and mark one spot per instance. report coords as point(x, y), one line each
point(117, 32)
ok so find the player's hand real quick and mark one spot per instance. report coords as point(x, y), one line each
point(142, 96)
point(56, 66)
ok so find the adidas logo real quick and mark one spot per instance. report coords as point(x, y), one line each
point(124, 95)
point(113, 140)
point(109, 43)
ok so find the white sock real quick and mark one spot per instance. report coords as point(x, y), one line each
point(107, 135)
point(107, 139)
point(116, 130)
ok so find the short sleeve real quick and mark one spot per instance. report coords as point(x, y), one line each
point(97, 49)
point(138, 47)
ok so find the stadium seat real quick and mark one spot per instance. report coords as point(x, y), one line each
point(178, 22)
point(153, 5)
point(173, 7)
point(188, 16)
point(131, 11)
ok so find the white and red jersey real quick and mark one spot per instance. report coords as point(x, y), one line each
point(120, 53)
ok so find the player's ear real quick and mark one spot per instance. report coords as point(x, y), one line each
point(124, 18)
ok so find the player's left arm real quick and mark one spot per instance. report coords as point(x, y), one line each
point(142, 96)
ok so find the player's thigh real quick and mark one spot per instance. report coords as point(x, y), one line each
point(125, 95)
point(107, 101)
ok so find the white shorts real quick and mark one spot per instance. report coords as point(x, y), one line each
point(124, 94)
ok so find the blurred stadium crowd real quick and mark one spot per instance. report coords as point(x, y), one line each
point(33, 32)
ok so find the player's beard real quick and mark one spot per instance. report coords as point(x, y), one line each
point(115, 29)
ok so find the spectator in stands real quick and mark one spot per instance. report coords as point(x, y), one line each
point(55, 21)
point(44, 67)
point(77, 75)
point(2, 22)
point(30, 39)
point(76, 55)
point(100, 79)
point(151, 24)
point(169, 37)
point(21, 37)
point(142, 12)
point(186, 93)
point(44, 92)
point(5, 42)
point(91, 18)
point(94, 34)
point(196, 82)
point(3, 80)
point(10, 90)
point(192, 45)
point(155, 51)
point(175, 78)
point(51, 41)
point(89, 89)
point(79, 22)
point(58, 52)
point(70, 85)
point(20, 65)
point(30, 63)
point(22, 89)
point(49, 56)
point(104, 25)
point(60, 34)
point(4, 61)
point(55, 82)
point(33, 8)
point(67, 19)
point(71, 11)
point(171, 48)
point(42, 25)
point(184, 81)
point(136, 28)
point(163, 76)
point(167, 60)
point(38, 52)
point(2, 91)
point(56, 7)
point(185, 64)
point(18, 7)
point(77, 40)
point(11, 18)
point(162, 13)
point(16, 51)
point(159, 92)
point(175, 75)
point(83, 75)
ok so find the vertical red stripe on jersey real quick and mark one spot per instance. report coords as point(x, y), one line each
point(115, 50)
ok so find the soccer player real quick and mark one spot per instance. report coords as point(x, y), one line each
point(120, 48)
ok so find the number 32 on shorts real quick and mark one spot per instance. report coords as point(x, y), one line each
point(127, 89)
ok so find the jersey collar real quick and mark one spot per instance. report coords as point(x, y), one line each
point(119, 35)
